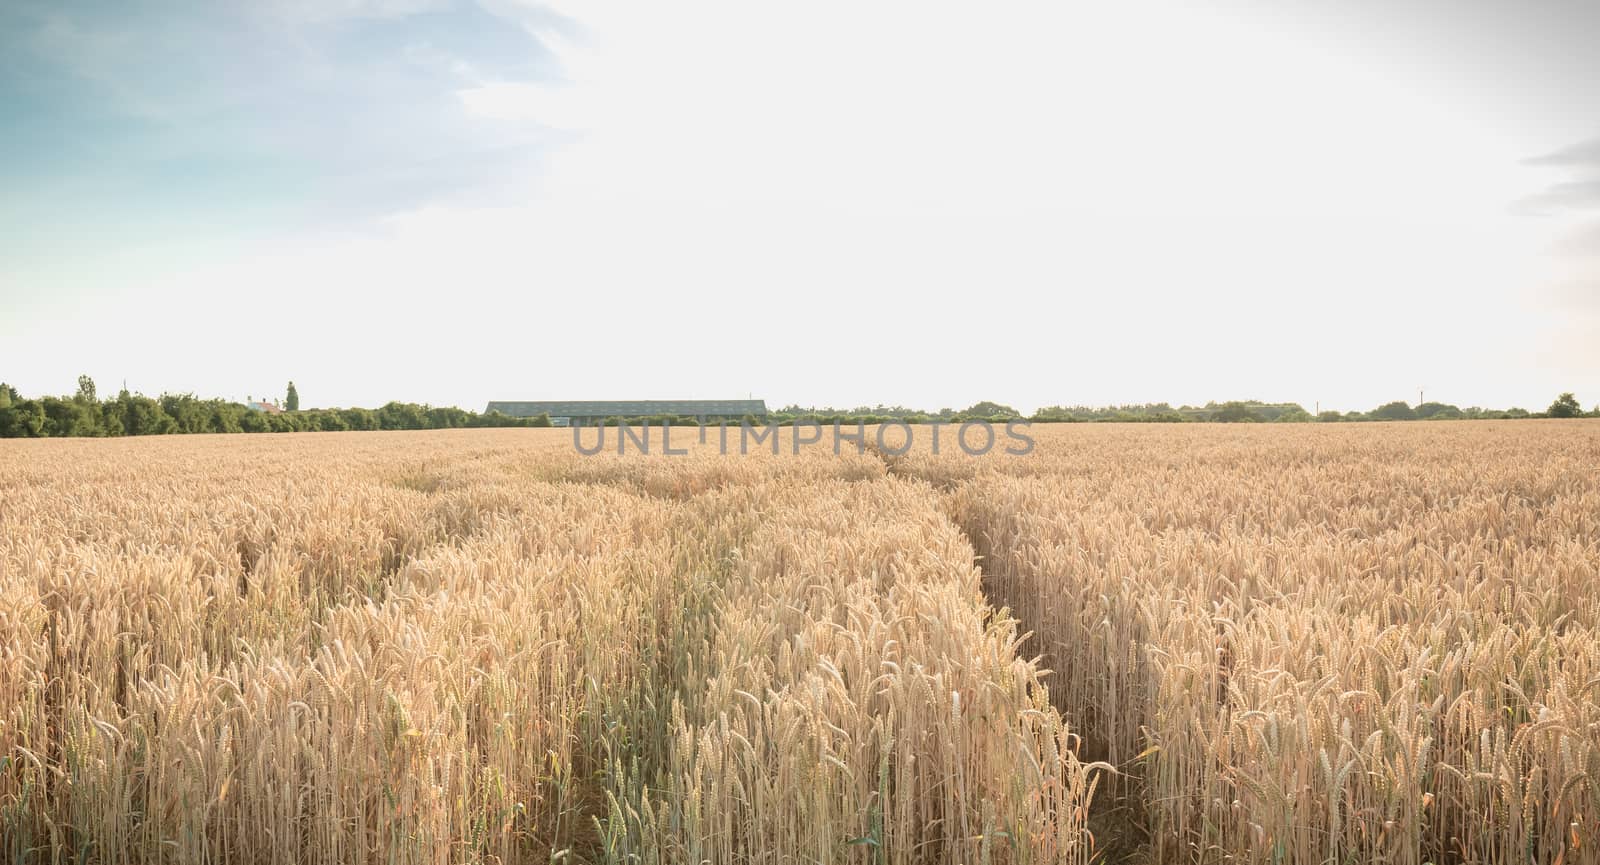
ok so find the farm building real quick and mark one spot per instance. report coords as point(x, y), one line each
point(263, 406)
point(594, 411)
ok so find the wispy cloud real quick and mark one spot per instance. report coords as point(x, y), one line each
point(1578, 189)
point(324, 11)
point(1566, 197)
point(1574, 284)
point(347, 108)
point(1585, 154)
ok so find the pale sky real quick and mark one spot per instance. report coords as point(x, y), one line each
point(1331, 202)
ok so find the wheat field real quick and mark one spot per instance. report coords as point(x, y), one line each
point(1192, 643)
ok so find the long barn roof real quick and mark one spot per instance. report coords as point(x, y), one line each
point(634, 408)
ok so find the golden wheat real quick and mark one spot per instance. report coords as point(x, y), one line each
point(1371, 643)
point(482, 647)
point(1316, 644)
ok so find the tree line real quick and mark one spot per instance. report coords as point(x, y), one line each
point(130, 414)
point(126, 414)
point(1237, 411)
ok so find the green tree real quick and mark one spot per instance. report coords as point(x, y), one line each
point(330, 421)
point(402, 415)
point(254, 421)
point(68, 417)
point(1430, 410)
point(987, 409)
point(291, 399)
point(446, 417)
point(139, 415)
point(190, 414)
point(225, 417)
point(1234, 412)
point(359, 418)
point(1394, 411)
point(1566, 405)
point(85, 392)
point(20, 417)
point(1054, 414)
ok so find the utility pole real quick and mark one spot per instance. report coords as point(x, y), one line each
point(1419, 393)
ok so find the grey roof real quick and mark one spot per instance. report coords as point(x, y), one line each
point(634, 408)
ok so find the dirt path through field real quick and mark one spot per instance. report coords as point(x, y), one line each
point(1117, 818)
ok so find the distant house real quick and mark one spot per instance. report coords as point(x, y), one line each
point(267, 407)
point(588, 412)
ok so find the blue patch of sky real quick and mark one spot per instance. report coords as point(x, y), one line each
point(157, 115)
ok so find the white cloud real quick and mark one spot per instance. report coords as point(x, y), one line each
point(326, 11)
point(1133, 223)
point(925, 204)
point(552, 106)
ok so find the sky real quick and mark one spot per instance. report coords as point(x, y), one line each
point(1333, 202)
